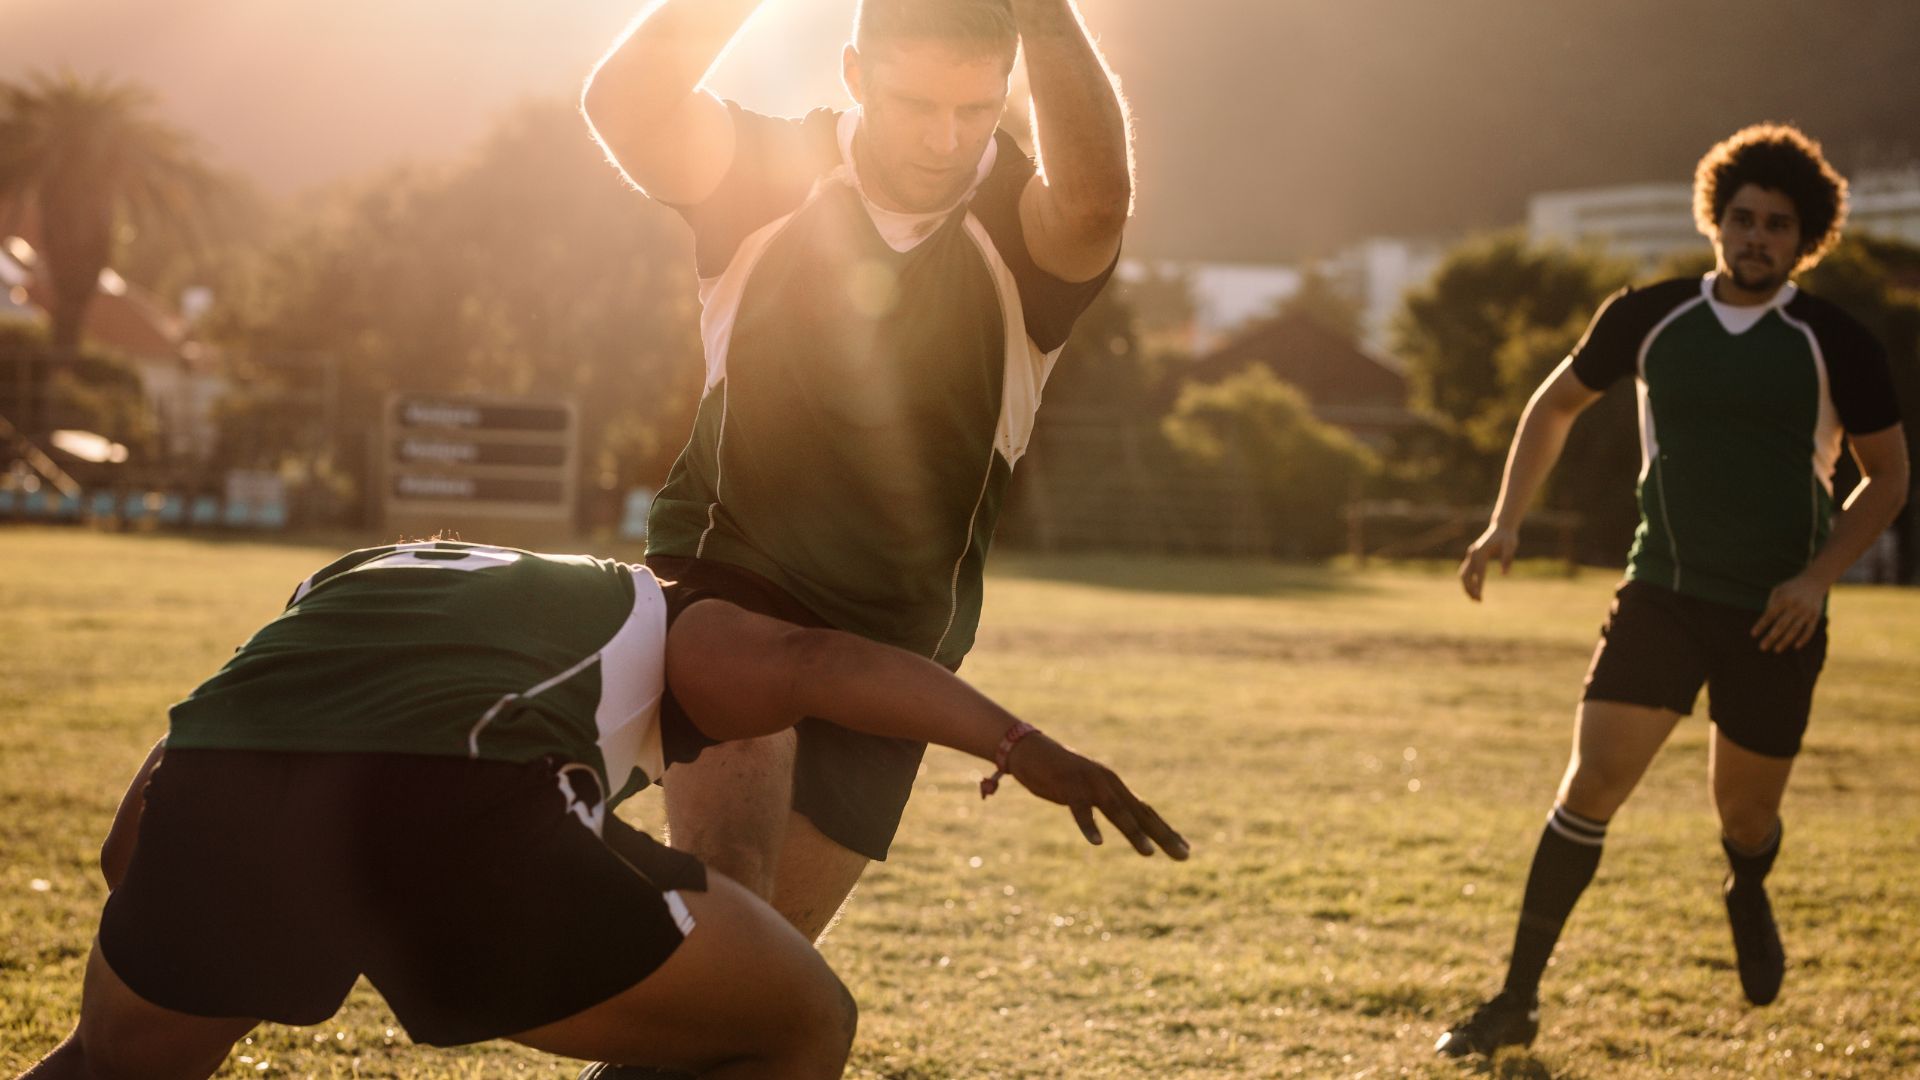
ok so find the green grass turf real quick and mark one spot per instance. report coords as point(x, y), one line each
point(1362, 760)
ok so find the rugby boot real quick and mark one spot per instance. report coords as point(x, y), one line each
point(1505, 1021)
point(1756, 940)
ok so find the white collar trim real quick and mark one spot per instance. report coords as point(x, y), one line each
point(1740, 318)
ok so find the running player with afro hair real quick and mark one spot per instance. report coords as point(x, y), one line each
point(1749, 388)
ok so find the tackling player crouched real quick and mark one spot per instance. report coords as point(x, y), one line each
point(406, 775)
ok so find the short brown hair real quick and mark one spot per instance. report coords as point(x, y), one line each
point(1777, 157)
point(985, 26)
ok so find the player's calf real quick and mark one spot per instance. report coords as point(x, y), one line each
point(1758, 952)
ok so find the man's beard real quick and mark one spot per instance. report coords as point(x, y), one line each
point(1753, 279)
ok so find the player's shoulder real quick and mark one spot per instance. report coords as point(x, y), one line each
point(1625, 321)
point(1827, 319)
point(803, 144)
point(461, 555)
point(1652, 301)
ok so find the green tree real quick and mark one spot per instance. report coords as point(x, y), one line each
point(1456, 335)
point(1322, 299)
point(1877, 281)
point(86, 157)
point(88, 389)
point(1090, 468)
point(1302, 473)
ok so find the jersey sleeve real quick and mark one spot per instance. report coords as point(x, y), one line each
point(1610, 349)
point(775, 162)
point(1859, 376)
point(1050, 304)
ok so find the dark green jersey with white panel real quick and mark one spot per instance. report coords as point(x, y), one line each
point(872, 378)
point(458, 650)
point(1742, 415)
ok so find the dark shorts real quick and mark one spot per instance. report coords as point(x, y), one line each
point(264, 884)
point(1659, 646)
point(853, 787)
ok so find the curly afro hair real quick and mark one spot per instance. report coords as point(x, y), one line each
point(1777, 157)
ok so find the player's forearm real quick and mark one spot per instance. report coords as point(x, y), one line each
point(1871, 508)
point(660, 62)
point(881, 690)
point(1080, 121)
point(1537, 445)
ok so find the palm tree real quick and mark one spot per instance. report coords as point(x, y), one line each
point(84, 157)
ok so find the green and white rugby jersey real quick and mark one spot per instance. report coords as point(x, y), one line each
point(452, 649)
point(1742, 414)
point(872, 379)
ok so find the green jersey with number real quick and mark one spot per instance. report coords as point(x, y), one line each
point(456, 650)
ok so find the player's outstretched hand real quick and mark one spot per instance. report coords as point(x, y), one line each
point(1498, 542)
point(1081, 784)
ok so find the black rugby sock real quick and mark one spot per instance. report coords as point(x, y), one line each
point(1563, 865)
point(1752, 867)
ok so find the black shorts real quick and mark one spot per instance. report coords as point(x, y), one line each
point(263, 884)
point(1658, 646)
point(852, 786)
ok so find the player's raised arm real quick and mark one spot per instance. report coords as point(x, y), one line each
point(1074, 211)
point(1537, 444)
point(645, 104)
point(740, 675)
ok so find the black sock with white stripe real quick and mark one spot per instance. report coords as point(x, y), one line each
point(1563, 865)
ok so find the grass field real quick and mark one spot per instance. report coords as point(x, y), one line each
point(1362, 761)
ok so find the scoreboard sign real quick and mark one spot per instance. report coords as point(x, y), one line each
point(491, 470)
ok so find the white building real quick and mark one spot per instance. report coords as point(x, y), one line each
point(1887, 203)
point(1226, 296)
point(1646, 222)
point(1378, 273)
point(1375, 274)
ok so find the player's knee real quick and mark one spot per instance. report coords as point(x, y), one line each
point(1748, 824)
point(826, 1022)
point(1594, 791)
point(849, 1012)
point(842, 1019)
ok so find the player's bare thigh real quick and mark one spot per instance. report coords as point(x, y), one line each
point(1613, 743)
point(816, 877)
point(731, 807)
point(1748, 788)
